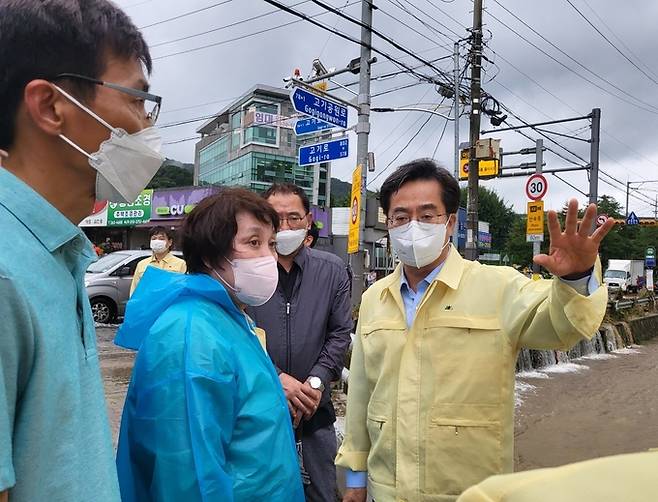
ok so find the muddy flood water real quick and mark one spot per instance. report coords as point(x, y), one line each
point(595, 407)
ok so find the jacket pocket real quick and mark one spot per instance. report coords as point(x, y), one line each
point(460, 453)
point(381, 460)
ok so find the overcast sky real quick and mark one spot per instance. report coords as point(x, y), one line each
point(202, 81)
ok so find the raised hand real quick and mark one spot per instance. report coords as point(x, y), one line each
point(573, 251)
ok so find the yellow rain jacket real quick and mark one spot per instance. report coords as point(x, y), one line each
point(622, 478)
point(430, 409)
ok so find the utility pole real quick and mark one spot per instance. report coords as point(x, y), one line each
point(539, 166)
point(628, 192)
point(594, 159)
point(362, 132)
point(457, 95)
point(473, 174)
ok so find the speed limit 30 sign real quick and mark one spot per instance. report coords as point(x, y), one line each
point(536, 187)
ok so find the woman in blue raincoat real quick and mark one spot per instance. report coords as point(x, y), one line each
point(205, 417)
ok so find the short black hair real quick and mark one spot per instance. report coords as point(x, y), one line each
point(422, 169)
point(289, 188)
point(43, 39)
point(314, 233)
point(162, 230)
point(210, 228)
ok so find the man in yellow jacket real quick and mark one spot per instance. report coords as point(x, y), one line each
point(620, 478)
point(431, 397)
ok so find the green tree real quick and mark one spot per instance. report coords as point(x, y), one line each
point(493, 209)
point(170, 176)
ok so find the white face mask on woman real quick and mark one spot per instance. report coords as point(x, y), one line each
point(255, 279)
point(158, 245)
point(418, 244)
point(124, 163)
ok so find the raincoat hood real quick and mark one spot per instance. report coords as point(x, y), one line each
point(159, 289)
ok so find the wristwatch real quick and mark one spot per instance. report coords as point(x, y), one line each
point(316, 383)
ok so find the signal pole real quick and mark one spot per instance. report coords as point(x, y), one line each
point(474, 136)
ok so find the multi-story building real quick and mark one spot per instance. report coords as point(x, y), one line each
point(252, 143)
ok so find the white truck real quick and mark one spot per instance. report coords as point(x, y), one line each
point(624, 275)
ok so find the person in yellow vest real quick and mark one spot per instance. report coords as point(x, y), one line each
point(627, 478)
point(430, 403)
point(161, 244)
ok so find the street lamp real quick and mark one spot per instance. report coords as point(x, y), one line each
point(412, 109)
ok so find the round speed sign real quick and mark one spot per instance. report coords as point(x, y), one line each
point(536, 187)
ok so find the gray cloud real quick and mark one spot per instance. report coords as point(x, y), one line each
point(226, 71)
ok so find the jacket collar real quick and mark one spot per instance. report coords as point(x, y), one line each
point(302, 257)
point(450, 274)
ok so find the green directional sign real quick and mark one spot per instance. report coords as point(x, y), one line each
point(650, 253)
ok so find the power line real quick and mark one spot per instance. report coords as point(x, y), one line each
point(185, 14)
point(445, 126)
point(550, 56)
point(326, 43)
point(595, 74)
point(384, 37)
point(611, 43)
point(618, 38)
point(219, 28)
point(242, 37)
point(420, 129)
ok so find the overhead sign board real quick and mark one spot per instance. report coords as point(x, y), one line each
point(536, 187)
point(486, 168)
point(355, 212)
point(324, 152)
point(324, 109)
point(311, 125)
point(535, 226)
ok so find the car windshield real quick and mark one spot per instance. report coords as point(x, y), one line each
point(615, 274)
point(106, 263)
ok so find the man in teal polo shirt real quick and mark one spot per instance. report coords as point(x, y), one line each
point(75, 126)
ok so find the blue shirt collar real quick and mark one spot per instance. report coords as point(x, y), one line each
point(428, 279)
point(40, 217)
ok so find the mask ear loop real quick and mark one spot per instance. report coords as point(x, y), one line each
point(220, 278)
point(447, 242)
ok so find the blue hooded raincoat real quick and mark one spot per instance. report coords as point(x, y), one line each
point(205, 417)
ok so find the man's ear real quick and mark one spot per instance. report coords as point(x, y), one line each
point(45, 106)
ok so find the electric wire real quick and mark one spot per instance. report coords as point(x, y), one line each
point(185, 14)
point(611, 43)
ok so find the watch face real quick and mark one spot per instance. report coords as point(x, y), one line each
point(315, 382)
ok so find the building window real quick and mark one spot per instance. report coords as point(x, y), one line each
point(260, 134)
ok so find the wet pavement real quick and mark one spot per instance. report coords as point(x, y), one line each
point(116, 367)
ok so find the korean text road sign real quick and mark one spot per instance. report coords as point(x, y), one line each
point(536, 187)
point(535, 227)
point(321, 108)
point(355, 212)
point(486, 168)
point(324, 152)
point(632, 219)
point(310, 125)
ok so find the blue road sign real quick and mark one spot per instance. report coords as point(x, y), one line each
point(632, 219)
point(311, 124)
point(650, 262)
point(321, 108)
point(324, 152)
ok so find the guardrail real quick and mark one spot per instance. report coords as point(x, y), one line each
point(630, 303)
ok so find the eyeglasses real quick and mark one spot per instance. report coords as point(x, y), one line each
point(154, 101)
point(397, 220)
point(293, 220)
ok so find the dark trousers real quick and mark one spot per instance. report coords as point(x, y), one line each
point(319, 451)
